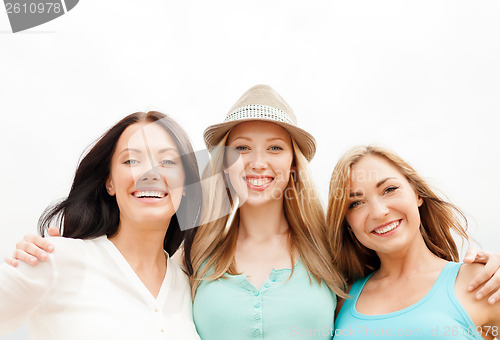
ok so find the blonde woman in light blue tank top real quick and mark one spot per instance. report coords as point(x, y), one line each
point(265, 273)
point(391, 235)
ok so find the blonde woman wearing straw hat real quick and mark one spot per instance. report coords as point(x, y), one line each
point(263, 271)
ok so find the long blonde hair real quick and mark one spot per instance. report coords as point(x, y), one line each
point(438, 217)
point(214, 246)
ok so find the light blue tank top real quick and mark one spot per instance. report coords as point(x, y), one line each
point(284, 307)
point(438, 315)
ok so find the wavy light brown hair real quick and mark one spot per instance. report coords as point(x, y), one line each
point(438, 217)
point(213, 249)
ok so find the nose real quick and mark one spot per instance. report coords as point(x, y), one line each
point(151, 175)
point(378, 209)
point(258, 160)
point(151, 178)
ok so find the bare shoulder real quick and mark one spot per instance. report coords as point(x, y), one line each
point(468, 272)
point(465, 275)
point(481, 312)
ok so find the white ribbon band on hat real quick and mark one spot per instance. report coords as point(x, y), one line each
point(259, 111)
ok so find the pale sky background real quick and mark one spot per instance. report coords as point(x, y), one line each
point(420, 77)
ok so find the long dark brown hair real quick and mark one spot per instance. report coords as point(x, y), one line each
point(89, 211)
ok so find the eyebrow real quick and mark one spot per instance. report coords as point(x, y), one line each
point(130, 150)
point(246, 138)
point(168, 149)
point(267, 140)
point(139, 151)
point(271, 139)
point(384, 180)
point(357, 194)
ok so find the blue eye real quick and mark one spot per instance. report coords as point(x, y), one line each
point(354, 205)
point(167, 162)
point(275, 148)
point(390, 189)
point(130, 161)
point(241, 148)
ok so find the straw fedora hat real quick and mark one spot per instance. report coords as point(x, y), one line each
point(262, 103)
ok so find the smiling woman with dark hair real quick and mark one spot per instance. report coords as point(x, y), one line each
point(134, 199)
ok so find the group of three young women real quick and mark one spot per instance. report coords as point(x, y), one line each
point(264, 262)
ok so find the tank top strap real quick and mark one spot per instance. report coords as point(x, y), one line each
point(444, 285)
point(443, 291)
point(449, 275)
point(355, 292)
point(358, 286)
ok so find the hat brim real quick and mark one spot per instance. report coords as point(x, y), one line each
point(306, 142)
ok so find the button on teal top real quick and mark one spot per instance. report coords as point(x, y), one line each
point(285, 307)
point(438, 315)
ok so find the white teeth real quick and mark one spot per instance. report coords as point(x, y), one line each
point(155, 194)
point(388, 228)
point(259, 182)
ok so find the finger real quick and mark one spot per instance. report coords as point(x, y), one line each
point(477, 256)
point(484, 275)
point(21, 255)
point(37, 241)
point(35, 250)
point(30, 238)
point(470, 255)
point(494, 298)
point(53, 231)
point(491, 286)
point(11, 261)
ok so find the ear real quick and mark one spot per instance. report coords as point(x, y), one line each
point(420, 201)
point(109, 187)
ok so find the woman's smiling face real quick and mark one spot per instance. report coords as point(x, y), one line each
point(383, 207)
point(266, 153)
point(146, 176)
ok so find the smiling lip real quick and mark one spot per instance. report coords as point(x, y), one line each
point(149, 195)
point(387, 228)
point(258, 183)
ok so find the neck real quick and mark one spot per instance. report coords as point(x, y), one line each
point(263, 221)
point(416, 258)
point(141, 244)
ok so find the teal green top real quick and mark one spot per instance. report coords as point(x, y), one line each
point(284, 307)
point(438, 315)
